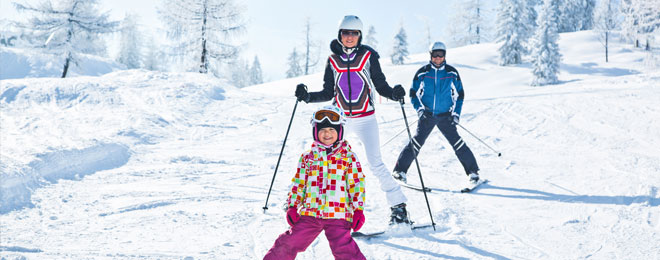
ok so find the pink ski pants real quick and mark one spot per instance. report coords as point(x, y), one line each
point(303, 233)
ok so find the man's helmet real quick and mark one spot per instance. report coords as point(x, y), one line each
point(437, 46)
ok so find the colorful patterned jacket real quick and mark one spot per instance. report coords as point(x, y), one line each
point(350, 80)
point(328, 185)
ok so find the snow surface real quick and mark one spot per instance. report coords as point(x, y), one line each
point(149, 165)
point(19, 63)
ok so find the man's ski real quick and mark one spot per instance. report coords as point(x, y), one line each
point(419, 226)
point(473, 186)
point(359, 234)
point(414, 187)
point(468, 189)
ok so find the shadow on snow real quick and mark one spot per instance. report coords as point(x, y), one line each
point(548, 196)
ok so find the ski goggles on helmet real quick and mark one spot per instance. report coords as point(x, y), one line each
point(438, 54)
point(332, 116)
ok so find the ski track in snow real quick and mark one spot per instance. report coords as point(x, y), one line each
point(577, 179)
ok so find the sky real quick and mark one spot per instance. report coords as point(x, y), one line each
point(274, 28)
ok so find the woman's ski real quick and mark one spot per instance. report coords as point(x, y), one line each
point(359, 234)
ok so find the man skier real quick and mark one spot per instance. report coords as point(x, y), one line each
point(437, 95)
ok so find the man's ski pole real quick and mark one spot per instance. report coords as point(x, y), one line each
point(278, 159)
point(421, 180)
point(498, 153)
point(390, 140)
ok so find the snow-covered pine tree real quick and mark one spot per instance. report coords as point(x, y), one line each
point(153, 56)
point(468, 24)
point(370, 38)
point(130, 46)
point(256, 75)
point(203, 31)
point(630, 20)
point(569, 17)
point(641, 21)
point(294, 65)
point(649, 23)
point(545, 54)
point(514, 28)
point(400, 47)
point(588, 15)
point(531, 9)
point(239, 70)
point(576, 15)
point(606, 22)
point(531, 16)
point(67, 29)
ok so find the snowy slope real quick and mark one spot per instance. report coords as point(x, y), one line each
point(145, 165)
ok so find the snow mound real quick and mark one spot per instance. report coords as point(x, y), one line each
point(90, 124)
point(54, 166)
point(18, 63)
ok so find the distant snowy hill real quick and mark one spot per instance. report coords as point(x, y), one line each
point(20, 63)
point(137, 164)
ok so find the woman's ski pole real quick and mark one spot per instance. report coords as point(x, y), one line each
point(421, 180)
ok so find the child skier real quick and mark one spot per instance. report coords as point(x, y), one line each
point(327, 193)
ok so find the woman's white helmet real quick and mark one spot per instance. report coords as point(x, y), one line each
point(350, 22)
point(437, 46)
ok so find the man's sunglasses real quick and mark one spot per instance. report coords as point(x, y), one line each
point(438, 54)
point(350, 33)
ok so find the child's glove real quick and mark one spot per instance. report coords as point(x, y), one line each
point(292, 216)
point(358, 220)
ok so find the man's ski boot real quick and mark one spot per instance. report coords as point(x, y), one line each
point(474, 177)
point(400, 176)
point(399, 215)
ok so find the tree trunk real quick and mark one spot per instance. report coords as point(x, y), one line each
point(607, 34)
point(66, 66)
point(204, 66)
point(307, 49)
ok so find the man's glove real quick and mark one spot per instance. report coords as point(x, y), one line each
point(301, 93)
point(292, 216)
point(398, 92)
point(454, 120)
point(358, 220)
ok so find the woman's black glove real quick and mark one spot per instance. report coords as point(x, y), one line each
point(398, 92)
point(301, 93)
